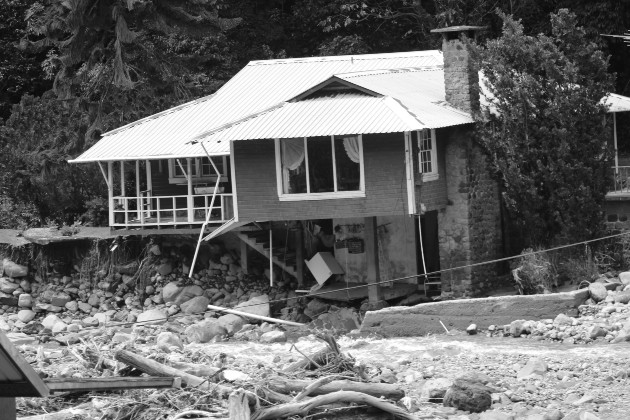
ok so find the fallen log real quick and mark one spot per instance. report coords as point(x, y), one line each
point(154, 368)
point(288, 386)
point(304, 407)
point(311, 362)
point(254, 316)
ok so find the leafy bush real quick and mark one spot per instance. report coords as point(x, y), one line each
point(534, 273)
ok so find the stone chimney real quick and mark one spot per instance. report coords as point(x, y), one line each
point(461, 79)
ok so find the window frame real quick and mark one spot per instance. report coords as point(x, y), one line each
point(434, 174)
point(197, 176)
point(322, 195)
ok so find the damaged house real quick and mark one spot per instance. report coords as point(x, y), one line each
point(360, 165)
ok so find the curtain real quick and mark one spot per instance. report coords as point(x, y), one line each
point(292, 153)
point(351, 144)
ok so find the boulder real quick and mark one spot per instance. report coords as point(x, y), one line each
point(60, 299)
point(166, 339)
point(4, 326)
point(597, 291)
point(562, 319)
point(196, 305)
point(622, 297)
point(315, 308)
point(472, 329)
point(468, 396)
point(171, 291)
point(165, 269)
point(434, 389)
point(204, 331)
point(232, 323)
point(50, 321)
point(59, 327)
point(273, 337)
point(519, 327)
point(596, 331)
point(72, 306)
point(94, 300)
point(624, 277)
point(14, 270)
point(85, 307)
point(152, 316)
point(535, 368)
point(26, 315)
point(25, 300)
point(7, 286)
point(188, 293)
point(258, 305)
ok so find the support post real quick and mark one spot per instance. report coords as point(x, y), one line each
point(149, 187)
point(122, 192)
point(371, 253)
point(299, 256)
point(615, 141)
point(270, 256)
point(244, 258)
point(7, 408)
point(191, 212)
point(110, 191)
point(138, 198)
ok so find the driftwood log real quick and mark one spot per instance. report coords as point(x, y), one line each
point(288, 386)
point(238, 404)
point(304, 407)
point(311, 362)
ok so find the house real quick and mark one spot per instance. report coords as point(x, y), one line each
point(367, 157)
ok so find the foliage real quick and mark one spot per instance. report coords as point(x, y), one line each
point(20, 73)
point(17, 215)
point(534, 273)
point(542, 127)
point(35, 144)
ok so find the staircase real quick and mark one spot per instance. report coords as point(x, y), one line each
point(259, 240)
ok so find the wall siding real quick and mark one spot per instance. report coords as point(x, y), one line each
point(385, 183)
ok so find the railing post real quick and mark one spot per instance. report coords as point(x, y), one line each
point(191, 211)
point(138, 196)
point(110, 191)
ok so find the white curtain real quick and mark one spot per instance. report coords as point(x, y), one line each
point(351, 144)
point(292, 153)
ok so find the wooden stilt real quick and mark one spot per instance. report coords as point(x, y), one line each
point(299, 256)
point(7, 409)
point(244, 264)
point(371, 253)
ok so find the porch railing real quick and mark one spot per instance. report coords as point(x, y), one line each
point(621, 180)
point(148, 210)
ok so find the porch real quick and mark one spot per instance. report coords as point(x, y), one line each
point(169, 193)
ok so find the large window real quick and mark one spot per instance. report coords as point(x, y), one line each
point(320, 167)
point(427, 155)
point(200, 168)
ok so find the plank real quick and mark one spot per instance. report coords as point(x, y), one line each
point(7, 409)
point(111, 383)
point(19, 379)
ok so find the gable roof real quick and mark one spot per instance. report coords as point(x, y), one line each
point(258, 87)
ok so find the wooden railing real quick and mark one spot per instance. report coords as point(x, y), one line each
point(148, 210)
point(621, 180)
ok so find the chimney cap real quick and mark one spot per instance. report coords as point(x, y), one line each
point(462, 28)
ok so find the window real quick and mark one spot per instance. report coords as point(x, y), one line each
point(200, 168)
point(427, 156)
point(320, 167)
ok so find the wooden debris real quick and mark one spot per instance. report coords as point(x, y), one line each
point(110, 383)
point(80, 411)
point(287, 386)
point(304, 407)
point(238, 403)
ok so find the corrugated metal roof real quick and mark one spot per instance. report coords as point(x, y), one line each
point(617, 103)
point(256, 87)
point(335, 114)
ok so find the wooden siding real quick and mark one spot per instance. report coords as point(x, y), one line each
point(432, 194)
point(385, 183)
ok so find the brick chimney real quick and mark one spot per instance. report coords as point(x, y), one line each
point(461, 79)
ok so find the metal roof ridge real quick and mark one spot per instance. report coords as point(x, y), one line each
point(328, 58)
point(389, 70)
point(158, 114)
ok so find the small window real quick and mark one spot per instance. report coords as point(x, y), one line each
point(320, 167)
point(200, 168)
point(427, 155)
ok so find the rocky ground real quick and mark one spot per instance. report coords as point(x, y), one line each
point(570, 367)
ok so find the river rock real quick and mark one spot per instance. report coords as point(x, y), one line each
point(273, 337)
point(598, 291)
point(535, 368)
point(84, 307)
point(624, 277)
point(196, 305)
point(166, 339)
point(171, 291)
point(519, 327)
point(232, 323)
point(468, 396)
point(26, 315)
point(60, 299)
point(188, 293)
point(258, 305)
point(14, 270)
point(622, 297)
point(25, 300)
point(165, 269)
point(152, 316)
point(7, 286)
point(434, 390)
point(204, 331)
point(94, 300)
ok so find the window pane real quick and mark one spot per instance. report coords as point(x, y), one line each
point(320, 164)
point(208, 170)
point(293, 166)
point(347, 158)
point(426, 151)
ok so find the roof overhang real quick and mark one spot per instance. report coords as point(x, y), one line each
point(616, 102)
